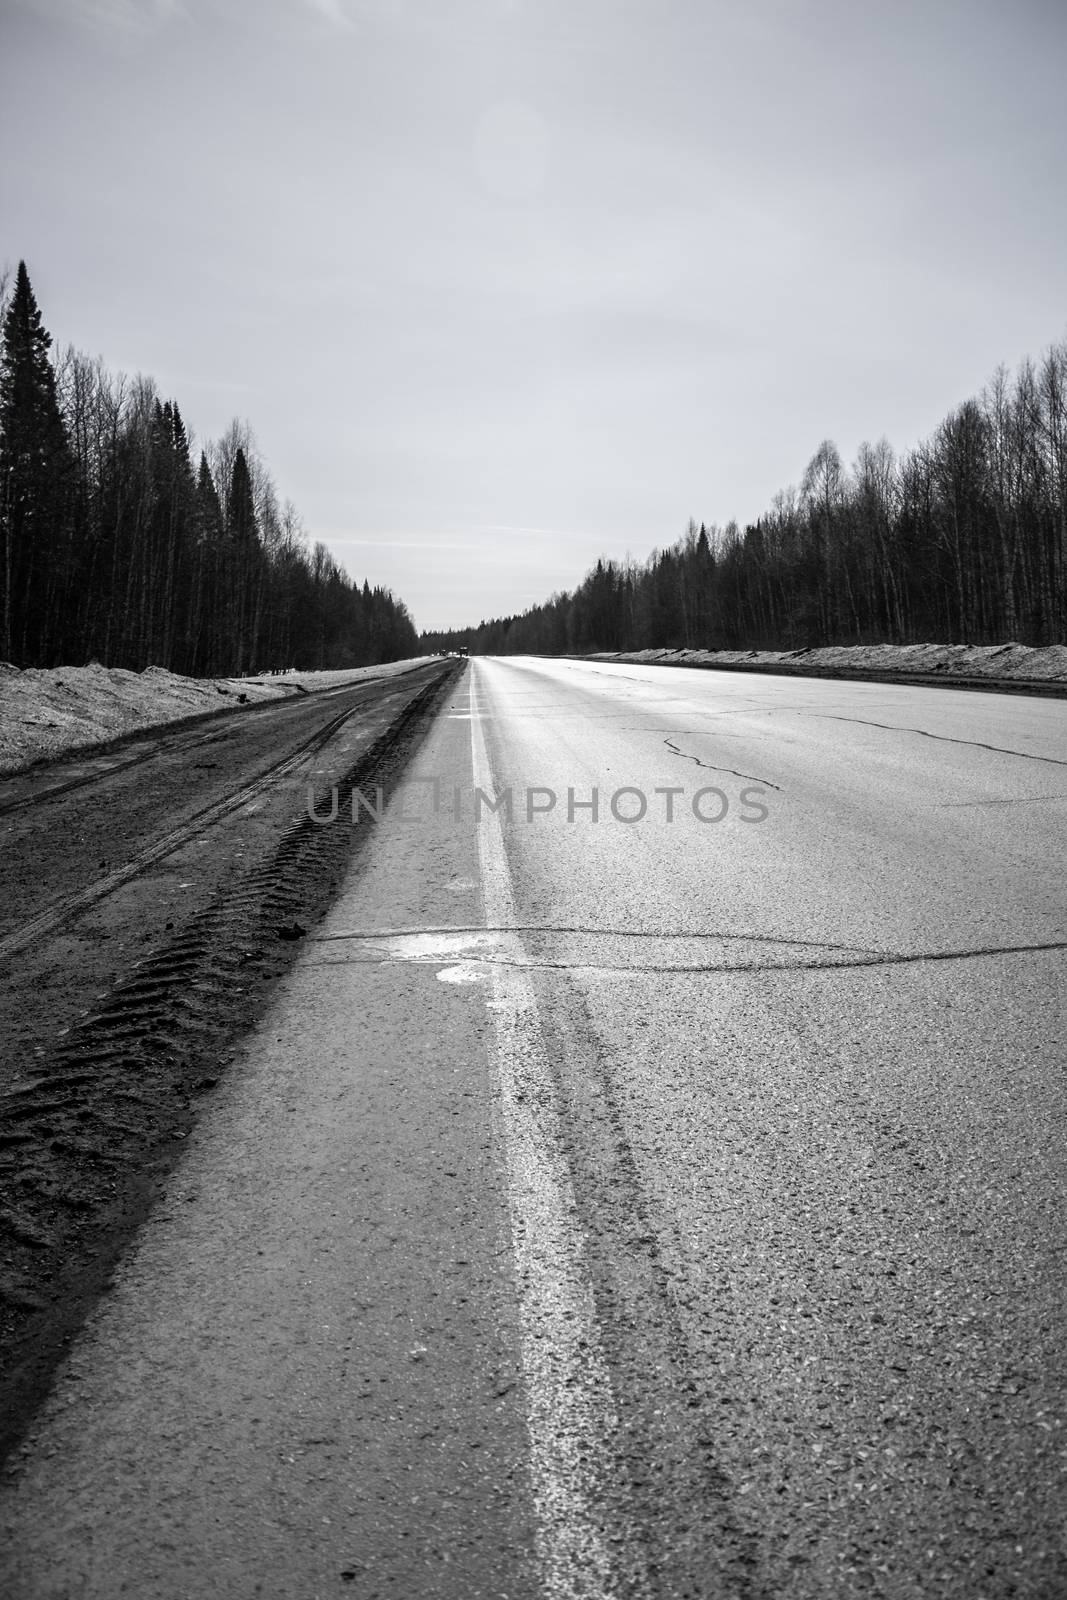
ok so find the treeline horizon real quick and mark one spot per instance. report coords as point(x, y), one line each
point(116, 547)
point(961, 540)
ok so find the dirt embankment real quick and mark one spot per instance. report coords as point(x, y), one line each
point(1005, 666)
point(45, 714)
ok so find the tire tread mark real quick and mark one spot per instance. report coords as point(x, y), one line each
point(53, 916)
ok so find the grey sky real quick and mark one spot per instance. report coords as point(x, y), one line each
point(503, 285)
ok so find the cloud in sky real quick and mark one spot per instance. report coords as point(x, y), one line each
point(540, 280)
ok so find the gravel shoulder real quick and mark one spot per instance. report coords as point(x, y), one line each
point(118, 1020)
point(304, 1379)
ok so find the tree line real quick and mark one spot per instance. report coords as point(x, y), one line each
point(961, 540)
point(119, 547)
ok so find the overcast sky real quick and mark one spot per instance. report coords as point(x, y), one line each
point(503, 285)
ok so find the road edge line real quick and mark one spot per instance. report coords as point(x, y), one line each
point(586, 1551)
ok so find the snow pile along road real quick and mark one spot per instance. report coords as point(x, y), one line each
point(49, 713)
point(1005, 662)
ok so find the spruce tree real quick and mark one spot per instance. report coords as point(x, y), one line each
point(247, 557)
point(36, 474)
point(207, 500)
point(241, 505)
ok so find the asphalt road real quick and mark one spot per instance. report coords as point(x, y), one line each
point(662, 1207)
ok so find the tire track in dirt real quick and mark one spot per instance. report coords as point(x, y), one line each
point(69, 905)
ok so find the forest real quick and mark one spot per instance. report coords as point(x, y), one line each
point(123, 545)
point(961, 540)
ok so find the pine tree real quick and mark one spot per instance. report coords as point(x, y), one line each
point(36, 475)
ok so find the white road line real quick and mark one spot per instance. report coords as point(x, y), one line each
point(587, 1552)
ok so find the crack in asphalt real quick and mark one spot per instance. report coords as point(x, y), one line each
point(599, 933)
point(942, 738)
point(1015, 800)
point(673, 748)
point(852, 956)
point(724, 970)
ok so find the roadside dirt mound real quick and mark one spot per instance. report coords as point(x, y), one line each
point(1005, 661)
point(48, 713)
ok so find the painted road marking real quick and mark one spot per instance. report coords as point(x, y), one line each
point(586, 1550)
